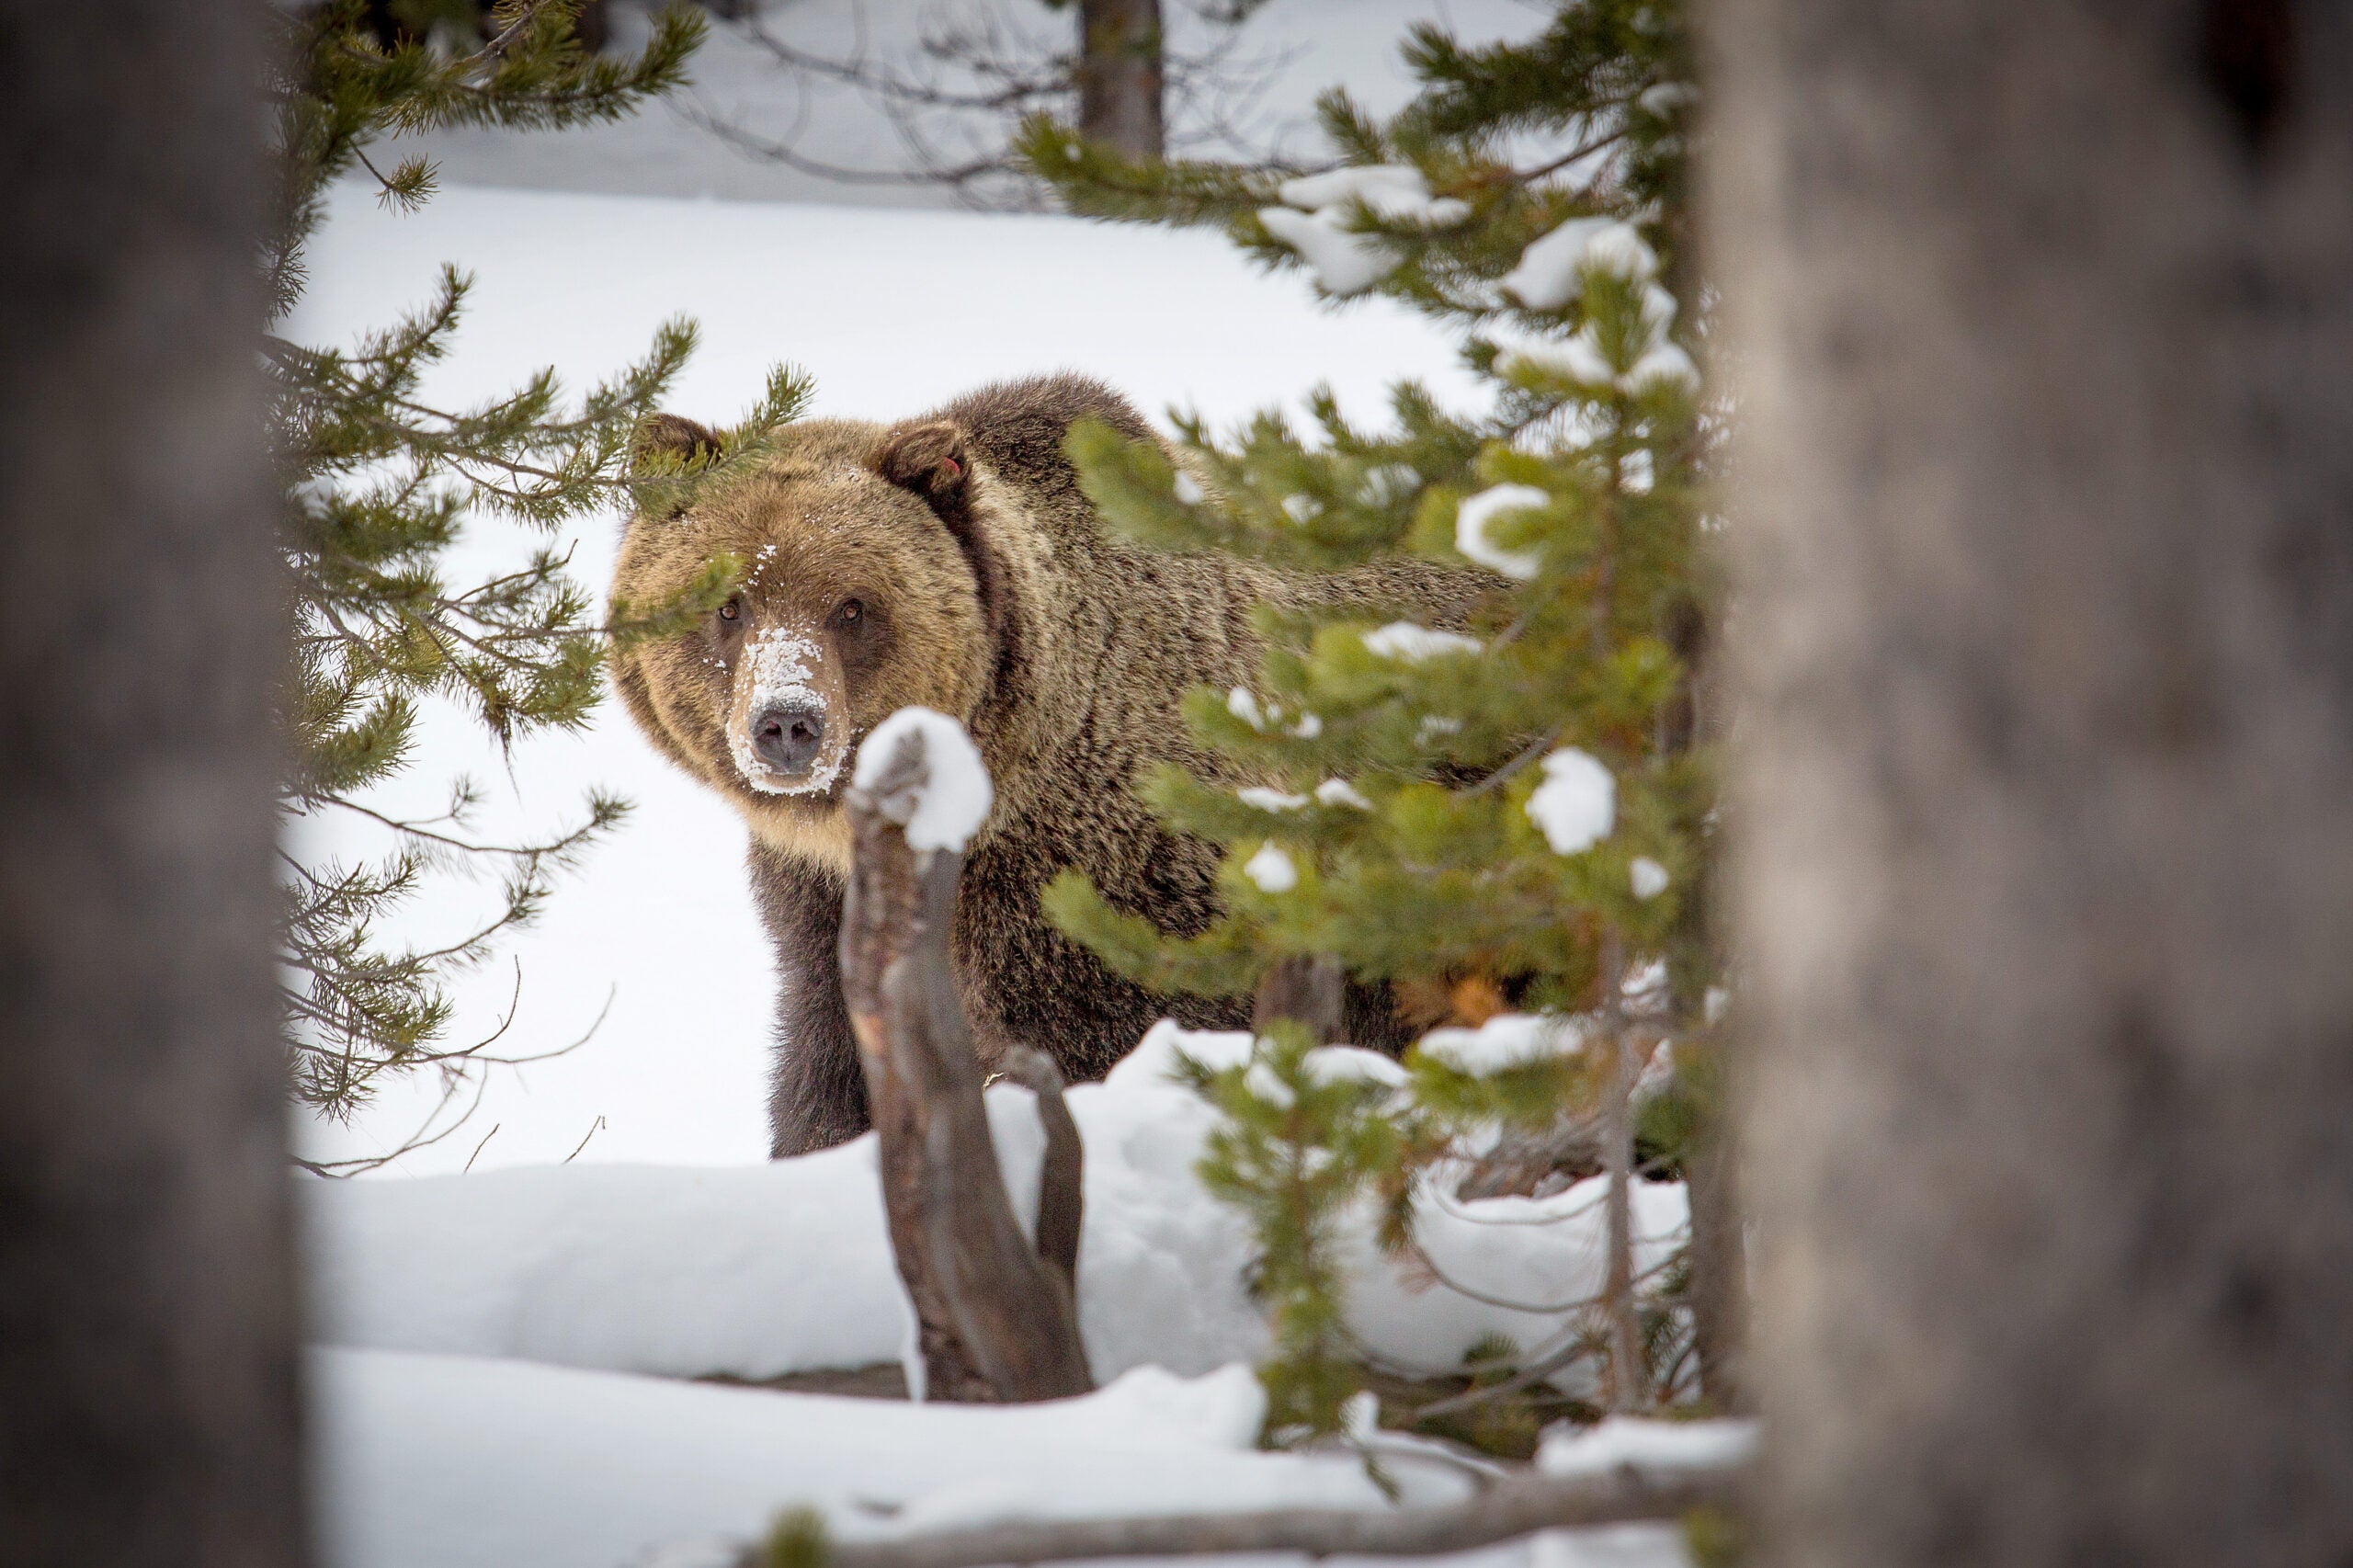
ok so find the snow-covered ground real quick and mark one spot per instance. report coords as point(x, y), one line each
point(474, 1406)
point(765, 1269)
point(440, 1462)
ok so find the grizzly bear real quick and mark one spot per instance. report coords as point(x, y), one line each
point(951, 561)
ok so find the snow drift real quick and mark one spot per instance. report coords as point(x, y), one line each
point(783, 1267)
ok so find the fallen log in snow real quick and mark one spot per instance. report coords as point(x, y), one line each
point(1522, 1506)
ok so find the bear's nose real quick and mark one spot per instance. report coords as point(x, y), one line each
point(788, 739)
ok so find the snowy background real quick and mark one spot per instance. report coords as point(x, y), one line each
point(1291, 49)
point(895, 313)
point(499, 1377)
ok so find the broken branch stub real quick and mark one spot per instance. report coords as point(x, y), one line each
point(1061, 1181)
point(996, 1323)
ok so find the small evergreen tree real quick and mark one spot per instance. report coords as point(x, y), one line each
point(379, 481)
point(1510, 827)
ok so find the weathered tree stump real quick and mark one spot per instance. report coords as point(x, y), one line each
point(997, 1320)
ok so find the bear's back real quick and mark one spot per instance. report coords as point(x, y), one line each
point(1019, 428)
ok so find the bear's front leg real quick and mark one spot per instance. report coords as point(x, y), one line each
point(816, 1088)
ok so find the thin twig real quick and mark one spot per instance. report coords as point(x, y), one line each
point(1579, 1347)
point(593, 1128)
point(1534, 749)
point(341, 1168)
point(479, 1147)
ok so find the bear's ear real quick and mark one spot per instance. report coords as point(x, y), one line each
point(929, 459)
point(670, 434)
point(932, 460)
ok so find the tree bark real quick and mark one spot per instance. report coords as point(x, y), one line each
point(2045, 312)
point(1719, 1262)
point(995, 1322)
point(1119, 75)
point(1309, 990)
point(1630, 1378)
point(148, 1399)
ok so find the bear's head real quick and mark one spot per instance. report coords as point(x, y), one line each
point(866, 588)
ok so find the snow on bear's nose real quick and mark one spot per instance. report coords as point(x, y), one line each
point(788, 738)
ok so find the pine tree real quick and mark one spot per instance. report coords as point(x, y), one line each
point(379, 482)
point(1511, 827)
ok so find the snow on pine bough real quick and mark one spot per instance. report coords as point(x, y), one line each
point(996, 1318)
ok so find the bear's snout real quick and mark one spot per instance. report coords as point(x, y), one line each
point(785, 718)
point(788, 738)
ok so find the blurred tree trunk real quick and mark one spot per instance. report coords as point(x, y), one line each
point(1719, 1264)
point(148, 1399)
point(2046, 315)
point(1119, 74)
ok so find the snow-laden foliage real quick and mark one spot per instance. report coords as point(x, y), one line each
point(1576, 806)
point(1506, 823)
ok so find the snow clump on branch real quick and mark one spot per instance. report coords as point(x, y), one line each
point(1552, 274)
point(955, 797)
point(1576, 806)
point(1472, 519)
point(1264, 1084)
point(1502, 1043)
point(1394, 191)
point(1648, 876)
point(1667, 97)
point(1351, 1064)
point(1411, 644)
point(1315, 212)
point(1645, 1444)
point(1340, 792)
point(1271, 869)
point(1243, 704)
point(1552, 271)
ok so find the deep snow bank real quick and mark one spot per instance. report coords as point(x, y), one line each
point(442, 1461)
point(439, 1462)
point(772, 1268)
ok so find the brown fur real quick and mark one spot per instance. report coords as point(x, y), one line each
point(991, 592)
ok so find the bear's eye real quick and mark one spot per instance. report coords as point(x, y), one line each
point(850, 614)
point(732, 610)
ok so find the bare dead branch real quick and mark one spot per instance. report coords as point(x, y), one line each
point(994, 1321)
point(1062, 1177)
